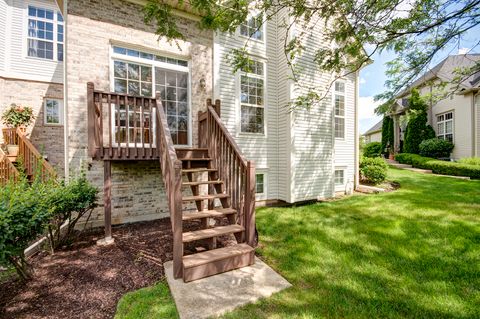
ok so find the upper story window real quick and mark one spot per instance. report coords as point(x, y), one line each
point(339, 100)
point(252, 92)
point(45, 34)
point(253, 27)
point(445, 126)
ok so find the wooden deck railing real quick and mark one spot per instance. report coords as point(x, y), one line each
point(32, 161)
point(120, 126)
point(172, 176)
point(8, 172)
point(233, 168)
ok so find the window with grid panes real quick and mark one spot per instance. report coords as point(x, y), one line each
point(252, 92)
point(253, 27)
point(445, 126)
point(45, 34)
point(339, 101)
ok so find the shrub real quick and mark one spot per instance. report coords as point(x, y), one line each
point(436, 148)
point(470, 161)
point(373, 149)
point(373, 170)
point(439, 167)
point(17, 115)
point(70, 203)
point(24, 213)
point(417, 129)
point(387, 133)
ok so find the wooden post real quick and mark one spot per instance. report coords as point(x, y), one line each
point(91, 119)
point(177, 221)
point(107, 203)
point(250, 204)
point(217, 107)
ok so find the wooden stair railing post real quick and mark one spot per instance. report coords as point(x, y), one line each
point(249, 214)
point(107, 198)
point(177, 216)
point(91, 119)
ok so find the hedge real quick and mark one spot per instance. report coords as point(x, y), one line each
point(373, 170)
point(439, 167)
point(372, 149)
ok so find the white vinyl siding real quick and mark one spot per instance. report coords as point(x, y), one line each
point(261, 148)
point(3, 33)
point(17, 63)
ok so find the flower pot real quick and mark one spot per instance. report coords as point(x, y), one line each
point(12, 150)
point(391, 156)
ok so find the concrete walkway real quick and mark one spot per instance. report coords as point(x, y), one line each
point(216, 295)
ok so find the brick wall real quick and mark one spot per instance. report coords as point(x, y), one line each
point(47, 138)
point(92, 28)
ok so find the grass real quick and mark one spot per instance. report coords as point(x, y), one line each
point(412, 253)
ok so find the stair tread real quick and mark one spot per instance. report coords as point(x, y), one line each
point(195, 159)
point(191, 148)
point(204, 197)
point(215, 254)
point(218, 212)
point(211, 232)
point(196, 183)
point(194, 170)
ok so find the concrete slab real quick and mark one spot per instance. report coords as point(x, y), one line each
point(216, 295)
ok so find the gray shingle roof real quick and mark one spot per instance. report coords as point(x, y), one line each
point(376, 128)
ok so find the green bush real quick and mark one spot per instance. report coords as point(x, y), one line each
point(373, 149)
point(470, 161)
point(439, 167)
point(436, 148)
point(70, 203)
point(24, 214)
point(373, 170)
point(387, 133)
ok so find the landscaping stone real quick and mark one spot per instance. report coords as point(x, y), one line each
point(216, 295)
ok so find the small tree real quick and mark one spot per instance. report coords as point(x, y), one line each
point(417, 128)
point(387, 133)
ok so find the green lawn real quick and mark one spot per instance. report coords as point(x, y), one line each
point(412, 253)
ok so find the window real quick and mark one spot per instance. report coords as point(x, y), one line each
point(53, 111)
point(339, 100)
point(445, 126)
point(259, 183)
point(142, 73)
point(253, 27)
point(339, 177)
point(45, 34)
point(252, 87)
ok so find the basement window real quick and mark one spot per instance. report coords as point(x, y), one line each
point(259, 183)
point(339, 177)
point(53, 112)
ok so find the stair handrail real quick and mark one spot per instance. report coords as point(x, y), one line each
point(234, 169)
point(171, 168)
point(31, 157)
point(8, 172)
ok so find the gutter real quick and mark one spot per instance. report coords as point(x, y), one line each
point(65, 92)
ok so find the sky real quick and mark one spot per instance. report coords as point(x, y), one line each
point(372, 77)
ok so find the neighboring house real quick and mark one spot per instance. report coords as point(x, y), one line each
point(455, 118)
point(299, 156)
point(374, 134)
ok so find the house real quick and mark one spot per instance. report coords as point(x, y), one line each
point(455, 117)
point(374, 134)
point(90, 69)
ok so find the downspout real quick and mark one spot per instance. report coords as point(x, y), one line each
point(357, 142)
point(475, 133)
point(65, 92)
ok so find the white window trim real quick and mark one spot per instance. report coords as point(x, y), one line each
point(344, 94)
point(60, 112)
point(444, 124)
point(262, 196)
point(167, 66)
point(239, 102)
point(340, 187)
point(263, 29)
point(55, 21)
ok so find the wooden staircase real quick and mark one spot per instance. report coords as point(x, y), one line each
point(222, 186)
point(213, 207)
point(28, 161)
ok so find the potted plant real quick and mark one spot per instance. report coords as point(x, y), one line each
point(16, 116)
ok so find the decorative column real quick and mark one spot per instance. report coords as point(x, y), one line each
point(396, 133)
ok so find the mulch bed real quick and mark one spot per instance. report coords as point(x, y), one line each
point(86, 281)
